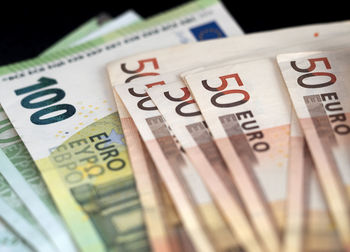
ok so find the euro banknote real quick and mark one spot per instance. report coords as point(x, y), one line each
point(307, 217)
point(74, 204)
point(27, 193)
point(191, 198)
point(36, 194)
point(124, 19)
point(308, 223)
point(317, 84)
point(96, 27)
point(78, 33)
point(139, 155)
point(183, 58)
point(14, 212)
point(316, 231)
point(172, 61)
point(189, 147)
point(252, 133)
point(179, 109)
point(10, 242)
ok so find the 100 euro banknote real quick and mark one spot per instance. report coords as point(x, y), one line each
point(24, 178)
point(98, 183)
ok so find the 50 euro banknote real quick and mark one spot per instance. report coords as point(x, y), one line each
point(178, 108)
point(272, 109)
point(308, 223)
point(77, 143)
point(171, 62)
point(317, 84)
point(187, 185)
point(252, 134)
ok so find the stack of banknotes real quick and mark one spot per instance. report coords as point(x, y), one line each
point(178, 133)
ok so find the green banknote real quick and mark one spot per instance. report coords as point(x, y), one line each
point(122, 20)
point(79, 149)
point(83, 30)
point(94, 28)
point(25, 178)
point(14, 212)
point(10, 241)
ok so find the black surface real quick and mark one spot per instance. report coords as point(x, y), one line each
point(29, 28)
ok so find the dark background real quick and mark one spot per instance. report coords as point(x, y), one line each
point(29, 28)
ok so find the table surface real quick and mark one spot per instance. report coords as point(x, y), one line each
point(29, 28)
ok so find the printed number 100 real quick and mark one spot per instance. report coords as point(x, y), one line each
point(49, 113)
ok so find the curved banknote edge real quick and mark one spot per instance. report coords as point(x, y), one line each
point(299, 172)
point(14, 213)
point(183, 116)
point(10, 242)
point(122, 20)
point(84, 30)
point(97, 103)
point(200, 216)
point(225, 240)
point(317, 84)
point(308, 225)
point(24, 178)
point(25, 229)
point(164, 226)
point(94, 28)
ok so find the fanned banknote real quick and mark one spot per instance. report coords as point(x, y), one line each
point(190, 147)
point(10, 242)
point(317, 84)
point(139, 155)
point(15, 213)
point(98, 201)
point(13, 147)
point(178, 108)
point(172, 61)
point(182, 58)
point(308, 224)
point(20, 174)
point(252, 133)
point(193, 201)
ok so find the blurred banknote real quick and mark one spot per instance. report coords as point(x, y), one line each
point(191, 197)
point(94, 28)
